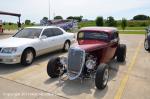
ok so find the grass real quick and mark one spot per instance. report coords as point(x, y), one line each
point(133, 28)
point(86, 24)
point(13, 26)
point(92, 23)
point(132, 32)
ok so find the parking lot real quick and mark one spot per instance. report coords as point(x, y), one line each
point(127, 80)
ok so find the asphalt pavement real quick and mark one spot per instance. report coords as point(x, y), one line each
point(128, 80)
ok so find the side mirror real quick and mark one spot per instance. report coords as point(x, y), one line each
point(43, 37)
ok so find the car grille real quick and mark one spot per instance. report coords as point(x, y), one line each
point(76, 58)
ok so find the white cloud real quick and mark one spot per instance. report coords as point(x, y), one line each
point(36, 9)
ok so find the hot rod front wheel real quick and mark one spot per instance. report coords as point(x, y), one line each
point(102, 76)
point(53, 67)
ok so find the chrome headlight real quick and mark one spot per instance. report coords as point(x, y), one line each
point(90, 64)
point(9, 50)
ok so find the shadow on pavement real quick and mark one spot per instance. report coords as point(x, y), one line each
point(75, 87)
point(11, 68)
point(114, 68)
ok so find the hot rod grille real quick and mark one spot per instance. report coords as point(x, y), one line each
point(76, 60)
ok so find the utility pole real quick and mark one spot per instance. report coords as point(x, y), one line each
point(49, 9)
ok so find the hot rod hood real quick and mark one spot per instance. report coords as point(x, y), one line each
point(91, 47)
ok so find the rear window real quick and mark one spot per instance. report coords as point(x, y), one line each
point(93, 36)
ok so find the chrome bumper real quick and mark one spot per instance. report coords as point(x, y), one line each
point(10, 59)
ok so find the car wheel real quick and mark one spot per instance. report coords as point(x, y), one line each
point(102, 76)
point(27, 57)
point(66, 46)
point(53, 69)
point(146, 45)
point(121, 52)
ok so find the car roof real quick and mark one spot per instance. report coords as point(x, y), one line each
point(42, 27)
point(99, 29)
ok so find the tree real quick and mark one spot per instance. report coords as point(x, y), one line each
point(10, 23)
point(141, 17)
point(70, 17)
point(4, 23)
point(45, 19)
point(123, 23)
point(111, 21)
point(27, 22)
point(99, 21)
point(58, 17)
point(78, 18)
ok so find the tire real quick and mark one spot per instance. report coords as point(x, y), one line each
point(121, 52)
point(102, 76)
point(27, 57)
point(53, 67)
point(66, 46)
point(146, 45)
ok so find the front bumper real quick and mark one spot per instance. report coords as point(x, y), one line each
point(10, 59)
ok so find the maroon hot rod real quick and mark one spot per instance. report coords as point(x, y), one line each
point(89, 58)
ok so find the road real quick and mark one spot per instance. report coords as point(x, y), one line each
point(128, 80)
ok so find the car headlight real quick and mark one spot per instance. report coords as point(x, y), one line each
point(90, 64)
point(9, 50)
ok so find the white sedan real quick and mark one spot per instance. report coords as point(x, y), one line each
point(31, 42)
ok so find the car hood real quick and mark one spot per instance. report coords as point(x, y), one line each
point(15, 42)
point(91, 47)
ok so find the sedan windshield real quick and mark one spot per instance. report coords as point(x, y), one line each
point(28, 33)
point(93, 36)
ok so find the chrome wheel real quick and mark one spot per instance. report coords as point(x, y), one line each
point(105, 77)
point(67, 46)
point(29, 57)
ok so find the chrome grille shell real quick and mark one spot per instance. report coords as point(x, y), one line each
point(76, 60)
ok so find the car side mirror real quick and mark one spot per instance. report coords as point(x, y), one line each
point(43, 37)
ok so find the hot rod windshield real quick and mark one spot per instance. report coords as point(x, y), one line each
point(93, 36)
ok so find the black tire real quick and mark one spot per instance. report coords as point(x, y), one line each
point(121, 52)
point(53, 67)
point(24, 60)
point(146, 45)
point(65, 48)
point(100, 81)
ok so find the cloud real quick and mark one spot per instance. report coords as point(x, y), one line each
point(36, 9)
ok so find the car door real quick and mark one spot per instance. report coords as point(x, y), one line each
point(60, 38)
point(47, 41)
point(114, 43)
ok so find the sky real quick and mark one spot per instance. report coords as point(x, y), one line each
point(35, 10)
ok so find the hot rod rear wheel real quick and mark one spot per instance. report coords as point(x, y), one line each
point(53, 67)
point(146, 45)
point(121, 52)
point(102, 76)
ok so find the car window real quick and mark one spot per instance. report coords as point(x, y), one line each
point(93, 36)
point(57, 31)
point(48, 32)
point(28, 33)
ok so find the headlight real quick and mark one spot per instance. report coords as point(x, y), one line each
point(9, 50)
point(90, 64)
